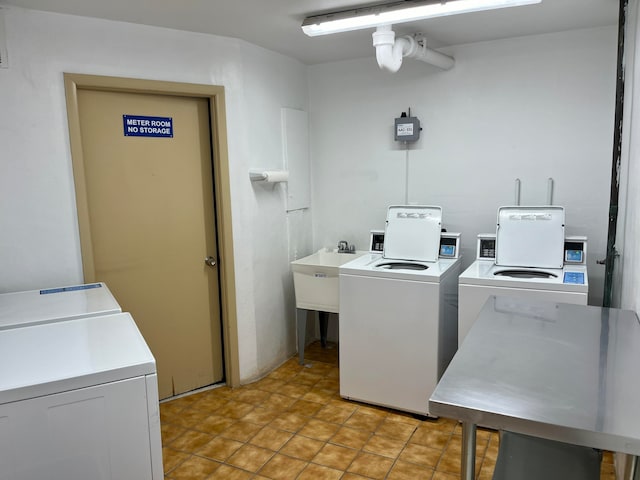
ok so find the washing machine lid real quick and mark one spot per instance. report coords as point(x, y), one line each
point(39, 360)
point(54, 304)
point(412, 232)
point(530, 237)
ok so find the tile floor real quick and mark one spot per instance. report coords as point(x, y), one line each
point(293, 425)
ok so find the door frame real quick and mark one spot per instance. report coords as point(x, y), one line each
point(221, 184)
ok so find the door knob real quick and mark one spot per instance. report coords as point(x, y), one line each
point(210, 261)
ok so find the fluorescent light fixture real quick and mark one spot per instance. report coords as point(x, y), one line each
point(398, 12)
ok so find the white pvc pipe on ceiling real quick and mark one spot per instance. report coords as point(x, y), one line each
point(391, 50)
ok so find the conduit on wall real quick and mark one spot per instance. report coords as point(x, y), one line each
point(391, 50)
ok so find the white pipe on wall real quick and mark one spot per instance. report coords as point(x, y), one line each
point(440, 60)
point(391, 50)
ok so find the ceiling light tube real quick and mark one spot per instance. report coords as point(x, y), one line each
point(399, 12)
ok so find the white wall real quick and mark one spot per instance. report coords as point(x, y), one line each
point(39, 244)
point(529, 108)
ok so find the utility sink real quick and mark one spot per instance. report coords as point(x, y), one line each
point(315, 279)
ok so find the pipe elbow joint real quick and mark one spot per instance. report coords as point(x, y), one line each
point(389, 50)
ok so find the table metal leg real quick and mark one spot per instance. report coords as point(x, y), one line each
point(301, 319)
point(631, 468)
point(468, 450)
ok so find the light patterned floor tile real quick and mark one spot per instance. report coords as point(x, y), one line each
point(351, 437)
point(301, 447)
point(250, 457)
point(281, 467)
point(271, 438)
point(370, 465)
point(387, 447)
point(319, 472)
point(194, 468)
point(335, 456)
point(409, 471)
point(219, 448)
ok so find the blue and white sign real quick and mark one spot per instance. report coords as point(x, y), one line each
point(143, 126)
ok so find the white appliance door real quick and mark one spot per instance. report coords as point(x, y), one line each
point(413, 233)
point(530, 237)
point(95, 433)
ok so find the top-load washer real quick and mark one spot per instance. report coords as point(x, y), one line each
point(529, 256)
point(35, 307)
point(398, 312)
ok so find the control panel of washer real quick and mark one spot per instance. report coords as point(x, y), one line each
point(376, 241)
point(575, 248)
point(449, 243)
point(576, 278)
point(486, 248)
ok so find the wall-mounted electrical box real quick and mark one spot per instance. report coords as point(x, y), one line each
point(407, 128)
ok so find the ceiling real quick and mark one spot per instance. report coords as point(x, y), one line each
point(275, 24)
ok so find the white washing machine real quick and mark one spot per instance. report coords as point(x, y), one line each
point(55, 304)
point(78, 389)
point(398, 312)
point(78, 400)
point(529, 256)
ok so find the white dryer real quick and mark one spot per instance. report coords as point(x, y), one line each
point(529, 256)
point(79, 400)
point(398, 312)
point(35, 307)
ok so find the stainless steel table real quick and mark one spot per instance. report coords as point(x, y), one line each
point(552, 370)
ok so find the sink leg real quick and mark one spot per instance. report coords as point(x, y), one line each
point(301, 319)
point(323, 319)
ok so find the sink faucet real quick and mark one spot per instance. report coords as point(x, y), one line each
point(343, 247)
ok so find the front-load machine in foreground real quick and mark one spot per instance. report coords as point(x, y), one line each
point(529, 256)
point(398, 313)
point(79, 400)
